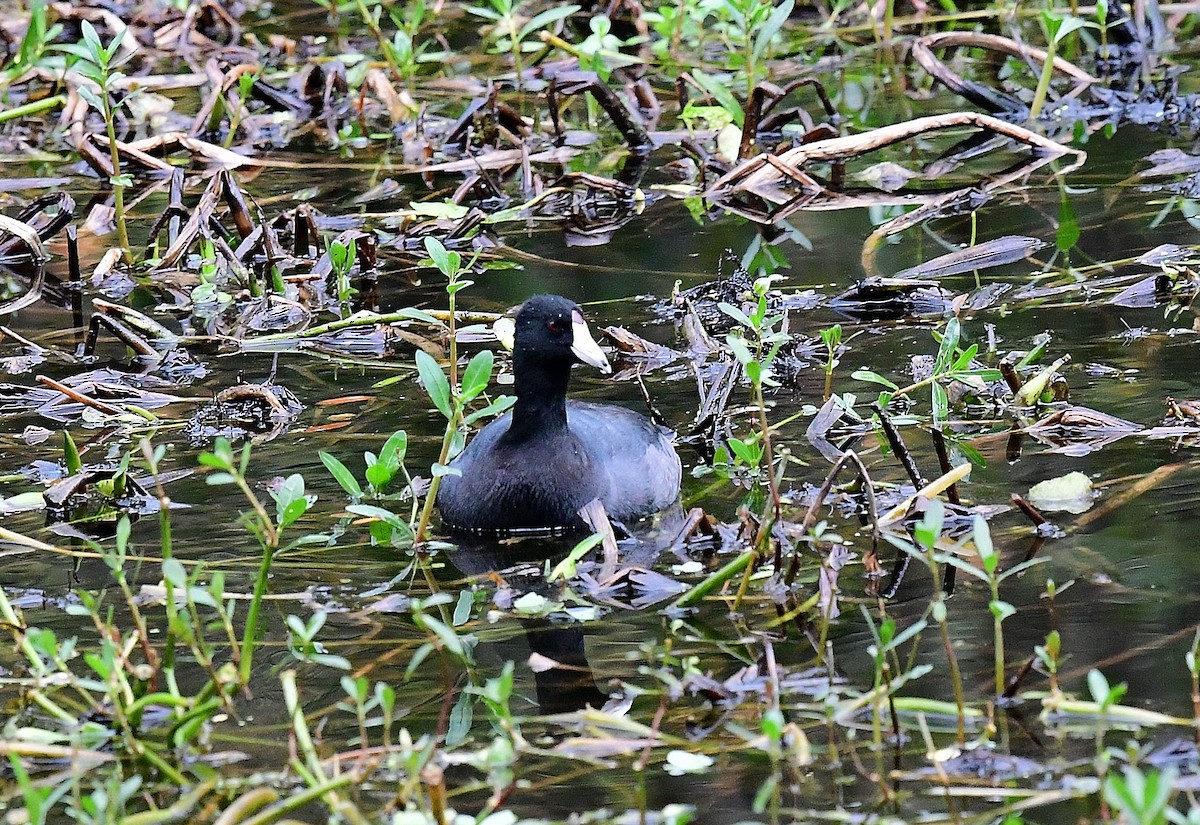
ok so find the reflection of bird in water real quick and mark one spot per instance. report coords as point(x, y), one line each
point(569, 684)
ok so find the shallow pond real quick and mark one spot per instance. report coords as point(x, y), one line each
point(697, 681)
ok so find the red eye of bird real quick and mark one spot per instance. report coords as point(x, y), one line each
point(556, 326)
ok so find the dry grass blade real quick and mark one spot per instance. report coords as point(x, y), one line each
point(930, 490)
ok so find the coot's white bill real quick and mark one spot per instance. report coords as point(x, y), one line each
point(584, 346)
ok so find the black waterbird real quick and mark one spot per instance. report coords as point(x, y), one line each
point(537, 465)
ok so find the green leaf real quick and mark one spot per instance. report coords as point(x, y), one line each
point(342, 256)
point(77, 49)
point(982, 537)
point(565, 569)
point(963, 361)
point(495, 408)
point(341, 474)
point(92, 41)
point(446, 635)
point(541, 21)
point(736, 314)
point(929, 528)
point(771, 28)
point(740, 351)
point(988, 374)
point(91, 97)
point(462, 609)
point(750, 453)
point(394, 450)
point(438, 470)
point(754, 371)
point(874, 378)
point(379, 475)
point(420, 656)
point(477, 374)
point(1064, 25)
point(293, 511)
point(71, 459)
point(1097, 686)
point(386, 516)
point(1068, 227)
point(941, 403)
point(486, 14)
point(1001, 609)
point(719, 89)
point(448, 263)
point(961, 564)
point(460, 720)
point(435, 383)
point(949, 343)
point(831, 336)
point(174, 572)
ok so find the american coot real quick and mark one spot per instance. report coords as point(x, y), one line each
point(537, 465)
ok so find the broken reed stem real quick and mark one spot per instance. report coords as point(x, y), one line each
point(715, 580)
point(370, 319)
point(898, 446)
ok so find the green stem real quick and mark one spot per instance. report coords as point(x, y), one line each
point(384, 45)
point(270, 542)
point(361, 320)
point(1043, 87)
point(298, 801)
point(998, 641)
point(34, 108)
point(118, 189)
point(715, 580)
point(431, 496)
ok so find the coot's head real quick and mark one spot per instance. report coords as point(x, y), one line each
point(551, 330)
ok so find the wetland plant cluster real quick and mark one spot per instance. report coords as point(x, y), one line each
point(164, 681)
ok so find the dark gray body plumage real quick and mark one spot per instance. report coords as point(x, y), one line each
point(622, 458)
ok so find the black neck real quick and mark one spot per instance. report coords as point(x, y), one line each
point(541, 388)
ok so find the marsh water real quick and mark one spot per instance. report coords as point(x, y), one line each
point(1127, 600)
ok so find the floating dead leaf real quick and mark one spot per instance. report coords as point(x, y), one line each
point(1084, 420)
point(653, 588)
point(685, 762)
point(1080, 430)
point(93, 398)
point(1147, 292)
point(1071, 493)
point(581, 747)
point(998, 252)
point(630, 343)
point(1168, 162)
point(886, 175)
point(1168, 254)
point(986, 763)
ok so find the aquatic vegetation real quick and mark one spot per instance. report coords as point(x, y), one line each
point(241, 354)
